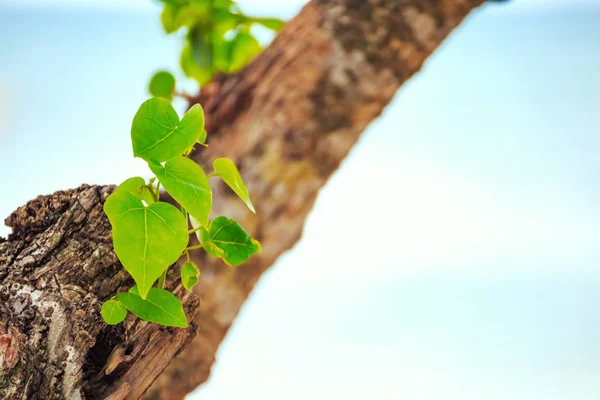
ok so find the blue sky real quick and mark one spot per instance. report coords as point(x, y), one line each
point(454, 255)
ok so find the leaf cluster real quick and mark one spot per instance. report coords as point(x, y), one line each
point(219, 38)
point(148, 235)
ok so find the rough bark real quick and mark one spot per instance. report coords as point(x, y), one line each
point(56, 269)
point(288, 120)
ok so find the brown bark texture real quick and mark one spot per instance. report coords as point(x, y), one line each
point(287, 120)
point(56, 269)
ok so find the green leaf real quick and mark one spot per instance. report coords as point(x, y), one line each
point(136, 186)
point(188, 184)
point(177, 3)
point(214, 250)
point(157, 134)
point(226, 239)
point(147, 240)
point(231, 176)
point(189, 275)
point(170, 18)
point(175, 15)
point(203, 233)
point(223, 3)
point(193, 70)
point(243, 49)
point(197, 227)
point(160, 306)
point(222, 54)
point(270, 23)
point(113, 312)
point(162, 85)
point(200, 40)
point(202, 139)
point(224, 20)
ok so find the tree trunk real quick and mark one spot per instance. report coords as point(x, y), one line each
point(288, 120)
point(56, 269)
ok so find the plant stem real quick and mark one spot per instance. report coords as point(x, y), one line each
point(161, 279)
point(184, 96)
point(194, 230)
point(151, 190)
point(198, 246)
point(157, 194)
point(185, 214)
point(212, 175)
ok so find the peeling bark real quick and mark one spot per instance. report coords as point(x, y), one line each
point(288, 120)
point(56, 269)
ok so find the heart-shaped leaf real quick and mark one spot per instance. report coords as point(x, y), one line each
point(157, 134)
point(188, 184)
point(160, 306)
point(113, 312)
point(162, 85)
point(136, 186)
point(231, 176)
point(147, 240)
point(189, 275)
point(227, 240)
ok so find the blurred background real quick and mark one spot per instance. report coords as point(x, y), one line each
point(454, 255)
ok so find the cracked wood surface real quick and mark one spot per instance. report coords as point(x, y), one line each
point(287, 120)
point(56, 269)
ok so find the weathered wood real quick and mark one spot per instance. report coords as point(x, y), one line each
point(56, 269)
point(288, 120)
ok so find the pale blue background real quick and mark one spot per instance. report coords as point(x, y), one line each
point(453, 256)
